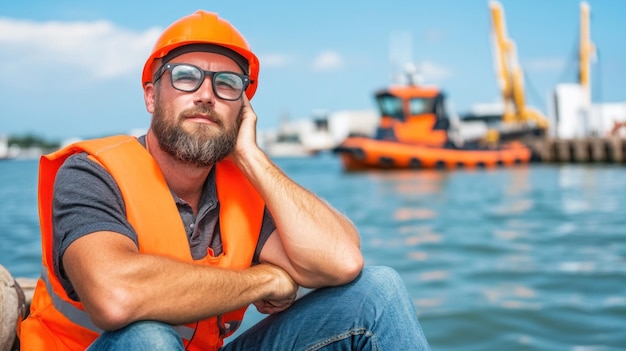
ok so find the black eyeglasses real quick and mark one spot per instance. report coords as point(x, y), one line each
point(185, 77)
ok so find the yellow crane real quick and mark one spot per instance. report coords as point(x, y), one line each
point(517, 115)
point(586, 49)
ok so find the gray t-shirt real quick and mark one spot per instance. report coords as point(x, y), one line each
point(87, 200)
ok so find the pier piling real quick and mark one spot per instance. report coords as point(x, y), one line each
point(579, 150)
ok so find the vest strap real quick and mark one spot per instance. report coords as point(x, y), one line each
point(71, 312)
point(80, 317)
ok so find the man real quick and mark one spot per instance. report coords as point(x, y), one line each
point(160, 242)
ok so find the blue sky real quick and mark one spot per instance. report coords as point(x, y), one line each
point(72, 68)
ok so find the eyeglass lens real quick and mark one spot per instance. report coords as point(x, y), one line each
point(226, 85)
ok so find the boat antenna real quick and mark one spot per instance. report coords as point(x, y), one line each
point(404, 70)
point(413, 77)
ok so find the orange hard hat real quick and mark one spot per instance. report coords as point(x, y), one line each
point(202, 27)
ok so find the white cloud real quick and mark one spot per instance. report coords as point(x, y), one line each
point(100, 48)
point(328, 61)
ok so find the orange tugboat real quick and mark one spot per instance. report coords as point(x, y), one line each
point(416, 129)
point(415, 132)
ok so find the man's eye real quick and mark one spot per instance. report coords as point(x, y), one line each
point(181, 73)
point(228, 81)
point(186, 76)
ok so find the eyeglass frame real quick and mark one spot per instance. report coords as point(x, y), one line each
point(245, 79)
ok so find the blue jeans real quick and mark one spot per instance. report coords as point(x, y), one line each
point(374, 312)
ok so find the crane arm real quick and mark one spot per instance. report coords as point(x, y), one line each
point(505, 59)
point(509, 72)
point(586, 51)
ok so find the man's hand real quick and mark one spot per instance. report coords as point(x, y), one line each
point(283, 290)
point(246, 139)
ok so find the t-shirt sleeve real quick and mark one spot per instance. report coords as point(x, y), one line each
point(86, 200)
point(267, 228)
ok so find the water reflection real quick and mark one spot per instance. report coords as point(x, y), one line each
point(498, 240)
point(510, 295)
point(581, 189)
point(409, 182)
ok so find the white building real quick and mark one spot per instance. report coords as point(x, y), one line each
point(321, 132)
point(570, 118)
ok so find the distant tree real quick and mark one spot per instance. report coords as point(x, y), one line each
point(31, 140)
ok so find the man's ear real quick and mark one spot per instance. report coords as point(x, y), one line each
point(149, 95)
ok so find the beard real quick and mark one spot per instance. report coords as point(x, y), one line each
point(202, 146)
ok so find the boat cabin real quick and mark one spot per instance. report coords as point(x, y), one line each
point(412, 114)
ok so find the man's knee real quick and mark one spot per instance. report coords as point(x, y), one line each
point(382, 279)
point(143, 335)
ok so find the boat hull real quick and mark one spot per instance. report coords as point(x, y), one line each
point(360, 153)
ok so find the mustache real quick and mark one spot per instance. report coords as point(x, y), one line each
point(202, 111)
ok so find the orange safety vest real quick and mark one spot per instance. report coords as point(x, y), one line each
point(56, 322)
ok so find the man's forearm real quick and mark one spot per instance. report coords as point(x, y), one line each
point(322, 244)
point(119, 286)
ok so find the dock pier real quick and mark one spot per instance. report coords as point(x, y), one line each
point(578, 150)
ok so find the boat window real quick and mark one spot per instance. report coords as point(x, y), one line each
point(420, 106)
point(390, 106)
point(288, 138)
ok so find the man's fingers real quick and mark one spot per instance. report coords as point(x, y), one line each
point(247, 107)
point(269, 307)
